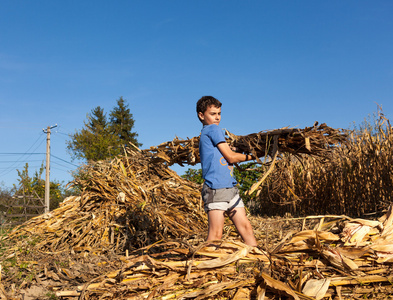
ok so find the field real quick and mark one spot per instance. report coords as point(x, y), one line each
point(322, 219)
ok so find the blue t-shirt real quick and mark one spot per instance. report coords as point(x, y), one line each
point(216, 171)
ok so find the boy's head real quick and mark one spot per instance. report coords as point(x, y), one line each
point(204, 103)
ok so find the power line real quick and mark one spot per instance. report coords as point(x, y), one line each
point(20, 160)
point(22, 166)
point(23, 158)
point(25, 153)
point(11, 161)
point(67, 134)
point(11, 168)
point(56, 163)
point(21, 153)
point(59, 169)
point(64, 160)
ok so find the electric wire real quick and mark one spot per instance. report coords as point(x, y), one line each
point(62, 133)
point(11, 167)
point(19, 163)
point(64, 160)
point(56, 163)
point(21, 153)
point(12, 161)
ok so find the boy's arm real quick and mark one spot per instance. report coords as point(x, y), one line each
point(231, 156)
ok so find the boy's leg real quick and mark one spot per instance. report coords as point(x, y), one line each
point(216, 220)
point(243, 225)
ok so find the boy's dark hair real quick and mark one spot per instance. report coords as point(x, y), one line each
point(205, 102)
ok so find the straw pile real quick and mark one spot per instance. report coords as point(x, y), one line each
point(124, 204)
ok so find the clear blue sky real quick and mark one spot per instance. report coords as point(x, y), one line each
point(271, 63)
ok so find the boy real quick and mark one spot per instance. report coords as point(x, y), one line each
point(220, 196)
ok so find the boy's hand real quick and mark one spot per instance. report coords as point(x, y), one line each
point(230, 156)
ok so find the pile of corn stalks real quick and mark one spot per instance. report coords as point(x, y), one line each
point(124, 204)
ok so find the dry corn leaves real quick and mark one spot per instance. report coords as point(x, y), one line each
point(327, 261)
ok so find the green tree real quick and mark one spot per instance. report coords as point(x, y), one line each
point(194, 175)
point(5, 198)
point(121, 124)
point(29, 185)
point(100, 139)
point(246, 176)
point(94, 141)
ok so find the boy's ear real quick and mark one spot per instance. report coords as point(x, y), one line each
point(200, 115)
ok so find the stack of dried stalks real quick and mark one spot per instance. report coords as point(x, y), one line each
point(124, 204)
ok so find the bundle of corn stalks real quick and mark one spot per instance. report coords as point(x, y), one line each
point(265, 146)
point(315, 141)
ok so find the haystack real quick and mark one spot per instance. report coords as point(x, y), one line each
point(126, 203)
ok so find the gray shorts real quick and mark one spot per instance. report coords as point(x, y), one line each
point(222, 199)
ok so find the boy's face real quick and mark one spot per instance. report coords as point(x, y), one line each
point(212, 115)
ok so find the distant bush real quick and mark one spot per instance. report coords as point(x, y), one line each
point(5, 197)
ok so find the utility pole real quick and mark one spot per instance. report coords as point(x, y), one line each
point(47, 169)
